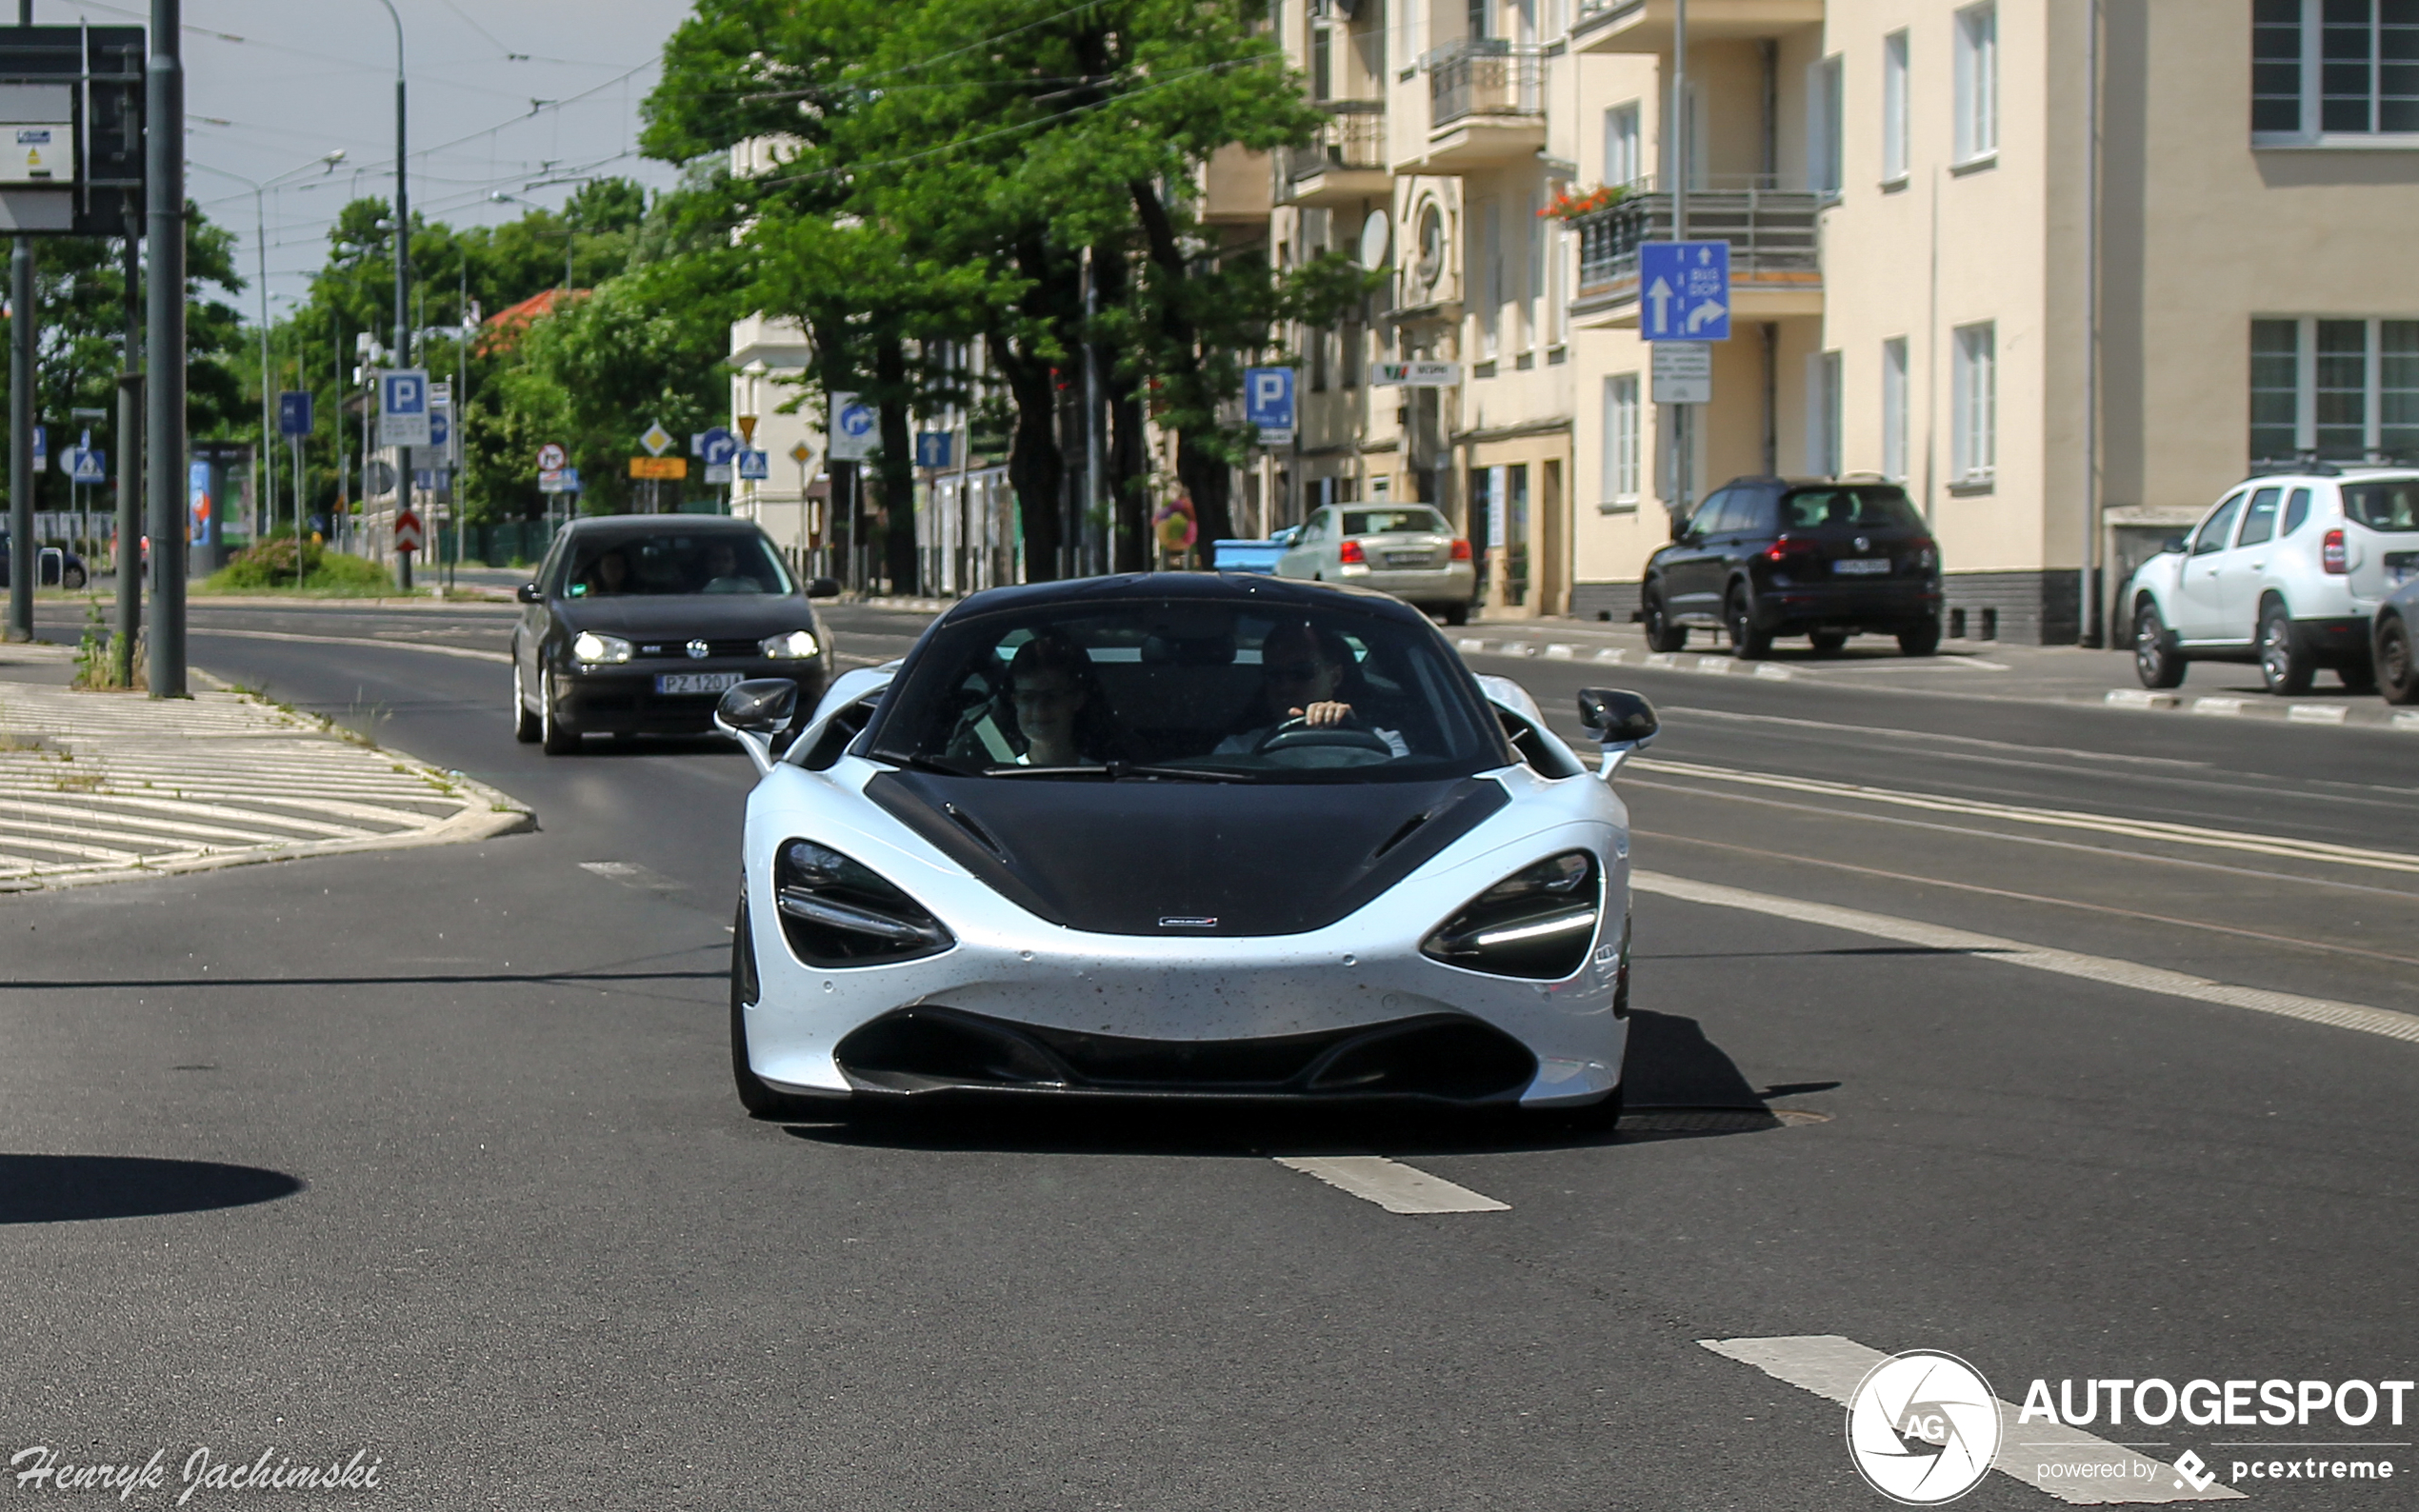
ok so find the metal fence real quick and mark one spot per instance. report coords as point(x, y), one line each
point(1774, 237)
point(1352, 136)
point(1486, 77)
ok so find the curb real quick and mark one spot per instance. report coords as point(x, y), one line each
point(1710, 663)
point(2151, 700)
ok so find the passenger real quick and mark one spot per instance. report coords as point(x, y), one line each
point(1057, 703)
point(722, 574)
point(1305, 678)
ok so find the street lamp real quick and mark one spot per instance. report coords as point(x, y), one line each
point(402, 206)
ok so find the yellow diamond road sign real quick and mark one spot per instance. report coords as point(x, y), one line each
point(799, 453)
point(656, 439)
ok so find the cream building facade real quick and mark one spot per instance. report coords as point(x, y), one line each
point(2065, 317)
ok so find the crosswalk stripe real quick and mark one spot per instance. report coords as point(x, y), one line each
point(1833, 1367)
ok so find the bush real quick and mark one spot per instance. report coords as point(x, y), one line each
point(269, 566)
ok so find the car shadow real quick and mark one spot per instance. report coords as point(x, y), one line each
point(1681, 1085)
point(77, 1188)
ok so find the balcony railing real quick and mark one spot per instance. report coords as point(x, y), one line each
point(1771, 232)
point(1486, 77)
point(1353, 136)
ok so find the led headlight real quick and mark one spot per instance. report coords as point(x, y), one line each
point(795, 646)
point(1536, 922)
point(592, 648)
point(837, 912)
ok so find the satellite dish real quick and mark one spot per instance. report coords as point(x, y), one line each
point(1375, 233)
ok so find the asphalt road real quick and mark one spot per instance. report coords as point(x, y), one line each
point(481, 1202)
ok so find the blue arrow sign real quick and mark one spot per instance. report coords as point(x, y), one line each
point(932, 448)
point(717, 446)
point(1683, 290)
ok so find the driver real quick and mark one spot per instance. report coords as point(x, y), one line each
point(722, 574)
point(607, 574)
point(1303, 677)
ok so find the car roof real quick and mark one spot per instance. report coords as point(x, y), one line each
point(650, 524)
point(1254, 589)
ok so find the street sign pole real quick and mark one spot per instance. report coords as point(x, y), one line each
point(164, 296)
point(1683, 479)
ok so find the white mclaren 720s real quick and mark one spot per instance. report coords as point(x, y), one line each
point(1180, 836)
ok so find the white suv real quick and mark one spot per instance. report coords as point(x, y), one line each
point(2286, 570)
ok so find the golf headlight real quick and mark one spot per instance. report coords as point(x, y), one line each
point(795, 646)
point(837, 912)
point(592, 648)
point(1537, 922)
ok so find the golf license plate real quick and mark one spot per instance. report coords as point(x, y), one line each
point(1409, 559)
point(1861, 567)
point(695, 681)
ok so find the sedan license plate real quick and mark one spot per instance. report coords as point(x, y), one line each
point(1856, 566)
point(1407, 559)
point(695, 681)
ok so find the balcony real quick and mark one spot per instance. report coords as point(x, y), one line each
point(1344, 163)
point(1775, 264)
point(1486, 106)
point(1645, 26)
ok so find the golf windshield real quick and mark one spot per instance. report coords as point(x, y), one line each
point(1176, 690)
point(631, 564)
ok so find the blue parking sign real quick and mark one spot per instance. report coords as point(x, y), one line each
point(1683, 290)
point(1267, 398)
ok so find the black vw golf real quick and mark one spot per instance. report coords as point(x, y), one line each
point(636, 624)
point(1817, 557)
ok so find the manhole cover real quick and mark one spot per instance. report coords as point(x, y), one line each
point(1716, 1120)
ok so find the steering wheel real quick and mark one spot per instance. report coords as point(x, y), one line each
point(1299, 734)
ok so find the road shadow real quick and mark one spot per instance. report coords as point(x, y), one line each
point(77, 1188)
point(1681, 1085)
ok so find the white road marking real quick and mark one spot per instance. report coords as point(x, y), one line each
point(2157, 830)
point(2407, 719)
point(2131, 974)
point(2217, 706)
point(1662, 659)
point(1559, 652)
point(1717, 665)
point(1866, 733)
point(1392, 1185)
point(2317, 713)
point(1832, 1367)
point(2140, 698)
point(1774, 670)
point(1614, 653)
point(632, 874)
point(357, 640)
point(1470, 643)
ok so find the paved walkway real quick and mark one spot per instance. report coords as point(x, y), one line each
point(104, 786)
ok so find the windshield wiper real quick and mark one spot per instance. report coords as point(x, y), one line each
point(1187, 774)
point(1043, 771)
point(929, 763)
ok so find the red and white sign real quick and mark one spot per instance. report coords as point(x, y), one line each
point(407, 532)
point(552, 458)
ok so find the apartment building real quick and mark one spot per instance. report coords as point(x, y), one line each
point(2065, 317)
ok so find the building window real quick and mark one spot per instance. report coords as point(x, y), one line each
point(1895, 410)
point(1893, 107)
point(2333, 68)
point(1823, 414)
point(1823, 135)
point(1974, 396)
point(1621, 443)
point(1621, 144)
point(2346, 389)
point(1977, 82)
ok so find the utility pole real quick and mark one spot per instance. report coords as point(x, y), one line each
point(1683, 468)
point(129, 461)
point(22, 559)
point(164, 297)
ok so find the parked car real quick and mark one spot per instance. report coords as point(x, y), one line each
point(1074, 848)
point(1249, 556)
point(2397, 627)
point(1406, 549)
point(54, 566)
point(1819, 557)
point(2286, 570)
point(637, 624)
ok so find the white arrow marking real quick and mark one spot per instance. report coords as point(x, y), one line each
point(1710, 310)
point(1659, 296)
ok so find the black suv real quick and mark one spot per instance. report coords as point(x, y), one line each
point(1815, 557)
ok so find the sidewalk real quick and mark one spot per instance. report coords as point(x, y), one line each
point(107, 786)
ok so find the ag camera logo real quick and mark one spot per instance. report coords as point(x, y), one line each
point(1923, 1427)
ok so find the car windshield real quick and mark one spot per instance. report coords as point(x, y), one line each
point(2384, 506)
point(1183, 688)
point(1883, 508)
point(671, 562)
point(1381, 522)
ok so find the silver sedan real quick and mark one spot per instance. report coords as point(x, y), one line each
point(1406, 549)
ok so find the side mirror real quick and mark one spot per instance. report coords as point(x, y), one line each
point(823, 588)
point(1289, 536)
point(1621, 721)
point(2174, 545)
point(528, 593)
point(1679, 526)
point(754, 711)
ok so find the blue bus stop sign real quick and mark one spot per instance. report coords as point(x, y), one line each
point(1683, 290)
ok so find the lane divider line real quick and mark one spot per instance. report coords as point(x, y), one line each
point(1392, 1185)
point(505, 657)
point(2355, 1016)
point(1832, 1367)
point(2162, 829)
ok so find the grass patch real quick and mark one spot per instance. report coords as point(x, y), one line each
point(10, 740)
point(269, 568)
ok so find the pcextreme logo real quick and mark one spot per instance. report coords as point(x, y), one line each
point(1923, 1427)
